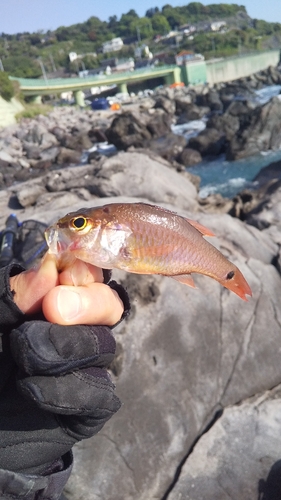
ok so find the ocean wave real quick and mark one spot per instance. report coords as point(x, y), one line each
point(227, 189)
point(189, 129)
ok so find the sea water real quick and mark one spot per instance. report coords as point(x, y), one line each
point(229, 177)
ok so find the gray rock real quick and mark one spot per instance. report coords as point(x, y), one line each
point(238, 458)
point(127, 130)
point(208, 142)
point(68, 157)
point(137, 175)
point(27, 196)
point(79, 142)
point(171, 386)
point(189, 157)
point(6, 157)
point(169, 146)
point(49, 154)
point(259, 131)
point(164, 103)
point(129, 174)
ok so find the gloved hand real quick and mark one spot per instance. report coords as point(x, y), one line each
point(54, 391)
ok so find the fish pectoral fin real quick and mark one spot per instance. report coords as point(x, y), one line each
point(186, 279)
point(202, 229)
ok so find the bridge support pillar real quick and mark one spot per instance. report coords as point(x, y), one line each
point(36, 99)
point(79, 98)
point(174, 77)
point(122, 87)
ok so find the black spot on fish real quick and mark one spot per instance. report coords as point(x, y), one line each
point(230, 275)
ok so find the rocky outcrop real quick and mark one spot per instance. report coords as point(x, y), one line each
point(181, 358)
point(133, 174)
point(239, 441)
point(195, 368)
point(210, 142)
point(259, 130)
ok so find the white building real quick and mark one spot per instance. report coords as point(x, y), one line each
point(218, 25)
point(72, 56)
point(143, 51)
point(112, 45)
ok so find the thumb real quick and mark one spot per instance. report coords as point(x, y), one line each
point(91, 304)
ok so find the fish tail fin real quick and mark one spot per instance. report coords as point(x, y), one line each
point(186, 279)
point(236, 282)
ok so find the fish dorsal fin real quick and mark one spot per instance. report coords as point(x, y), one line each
point(186, 279)
point(202, 229)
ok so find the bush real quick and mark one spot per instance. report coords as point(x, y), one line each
point(6, 86)
point(33, 110)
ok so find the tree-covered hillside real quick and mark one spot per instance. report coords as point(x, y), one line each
point(23, 54)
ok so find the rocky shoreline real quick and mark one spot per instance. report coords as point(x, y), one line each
point(197, 370)
point(237, 125)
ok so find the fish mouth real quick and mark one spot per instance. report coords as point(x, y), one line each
point(55, 243)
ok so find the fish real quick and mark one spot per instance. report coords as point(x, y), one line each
point(144, 239)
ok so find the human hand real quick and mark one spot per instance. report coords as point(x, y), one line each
point(53, 377)
point(57, 392)
point(75, 296)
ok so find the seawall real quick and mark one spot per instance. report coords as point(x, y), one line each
point(225, 70)
point(8, 111)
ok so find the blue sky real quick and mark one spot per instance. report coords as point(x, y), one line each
point(32, 15)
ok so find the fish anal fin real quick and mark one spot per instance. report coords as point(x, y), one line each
point(186, 279)
point(202, 229)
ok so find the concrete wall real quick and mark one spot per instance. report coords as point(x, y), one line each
point(225, 70)
point(194, 72)
point(8, 110)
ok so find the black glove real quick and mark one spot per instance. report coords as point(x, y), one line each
point(54, 391)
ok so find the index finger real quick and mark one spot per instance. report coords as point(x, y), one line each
point(80, 273)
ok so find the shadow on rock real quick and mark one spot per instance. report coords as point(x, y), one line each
point(270, 489)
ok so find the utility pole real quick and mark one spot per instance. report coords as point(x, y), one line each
point(43, 70)
point(1, 66)
point(53, 63)
point(138, 34)
point(239, 46)
point(214, 46)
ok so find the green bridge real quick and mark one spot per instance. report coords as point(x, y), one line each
point(193, 72)
point(36, 88)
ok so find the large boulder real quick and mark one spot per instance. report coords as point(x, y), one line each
point(183, 355)
point(127, 130)
point(132, 129)
point(209, 142)
point(132, 174)
point(169, 146)
point(260, 130)
point(239, 457)
point(189, 157)
point(165, 103)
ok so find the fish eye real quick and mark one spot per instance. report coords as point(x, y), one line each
point(79, 223)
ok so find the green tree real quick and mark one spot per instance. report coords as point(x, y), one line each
point(142, 25)
point(160, 24)
point(151, 12)
point(126, 25)
point(173, 16)
point(22, 67)
point(6, 86)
